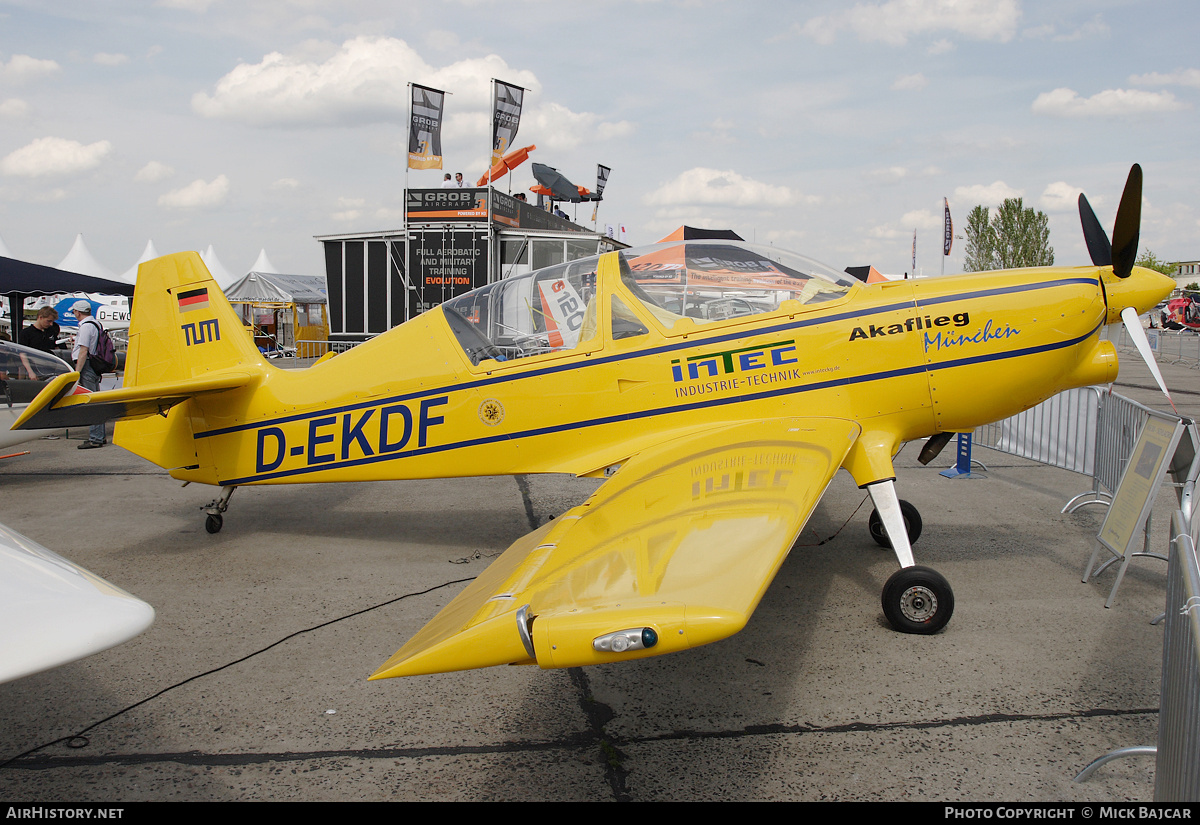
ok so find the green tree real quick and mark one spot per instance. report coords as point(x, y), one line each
point(1015, 236)
point(1149, 260)
point(981, 241)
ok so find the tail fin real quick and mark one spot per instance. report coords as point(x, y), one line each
point(182, 325)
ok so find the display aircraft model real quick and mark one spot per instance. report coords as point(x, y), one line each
point(717, 386)
point(112, 311)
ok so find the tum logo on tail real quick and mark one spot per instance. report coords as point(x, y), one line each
point(201, 332)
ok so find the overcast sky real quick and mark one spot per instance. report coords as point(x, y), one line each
point(827, 128)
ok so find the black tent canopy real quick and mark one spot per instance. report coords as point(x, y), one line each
point(21, 279)
point(35, 279)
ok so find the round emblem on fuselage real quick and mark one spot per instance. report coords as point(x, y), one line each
point(491, 412)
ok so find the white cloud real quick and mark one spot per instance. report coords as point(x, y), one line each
point(285, 184)
point(895, 21)
point(940, 47)
point(726, 188)
point(107, 59)
point(22, 67)
point(49, 195)
point(153, 172)
point(895, 174)
point(1060, 196)
point(921, 219)
point(987, 194)
point(890, 174)
point(197, 6)
point(910, 82)
point(363, 80)
point(54, 156)
point(1179, 77)
point(1109, 103)
point(888, 233)
point(197, 195)
point(557, 127)
point(1094, 28)
point(13, 108)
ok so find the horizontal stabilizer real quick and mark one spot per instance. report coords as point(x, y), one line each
point(55, 407)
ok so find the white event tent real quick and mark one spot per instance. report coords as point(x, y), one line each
point(129, 276)
point(80, 261)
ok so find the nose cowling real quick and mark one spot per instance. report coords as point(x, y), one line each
point(1142, 290)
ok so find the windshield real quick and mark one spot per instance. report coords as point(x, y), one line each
point(543, 311)
point(23, 363)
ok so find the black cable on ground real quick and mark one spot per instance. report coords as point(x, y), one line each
point(78, 740)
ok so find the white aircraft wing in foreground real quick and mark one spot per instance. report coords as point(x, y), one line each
point(53, 611)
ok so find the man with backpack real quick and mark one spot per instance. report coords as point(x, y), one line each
point(92, 344)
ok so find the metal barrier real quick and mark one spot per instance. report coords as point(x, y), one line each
point(1060, 431)
point(315, 349)
point(1177, 754)
point(1170, 346)
point(1121, 421)
point(1089, 430)
point(1177, 765)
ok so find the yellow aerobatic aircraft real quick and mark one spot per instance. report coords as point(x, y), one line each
point(718, 386)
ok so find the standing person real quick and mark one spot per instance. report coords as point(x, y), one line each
point(458, 181)
point(447, 183)
point(85, 343)
point(43, 332)
point(42, 335)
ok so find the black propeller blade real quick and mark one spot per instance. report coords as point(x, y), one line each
point(1128, 225)
point(1093, 233)
point(1122, 252)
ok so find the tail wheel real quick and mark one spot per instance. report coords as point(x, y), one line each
point(912, 524)
point(918, 600)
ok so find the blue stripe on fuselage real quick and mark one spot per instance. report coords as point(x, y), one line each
point(646, 353)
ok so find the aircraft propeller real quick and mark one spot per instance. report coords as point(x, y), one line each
point(1120, 254)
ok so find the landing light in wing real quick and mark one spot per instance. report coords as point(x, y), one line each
point(620, 641)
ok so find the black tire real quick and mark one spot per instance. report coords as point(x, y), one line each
point(912, 523)
point(213, 522)
point(918, 600)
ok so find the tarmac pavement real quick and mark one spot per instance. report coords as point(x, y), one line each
point(251, 684)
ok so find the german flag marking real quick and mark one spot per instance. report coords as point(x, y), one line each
point(193, 299)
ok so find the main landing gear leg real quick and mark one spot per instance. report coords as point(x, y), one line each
point(214, 520)
point(915, 599)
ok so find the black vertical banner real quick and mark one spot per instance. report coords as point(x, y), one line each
point(949, 239)
point(425, 130)
point(506, 117)
point(601, 179)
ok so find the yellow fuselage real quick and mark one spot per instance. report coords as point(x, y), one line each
point(905, 359)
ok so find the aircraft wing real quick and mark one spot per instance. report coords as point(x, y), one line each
point(53, 612)
point(676, 549)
